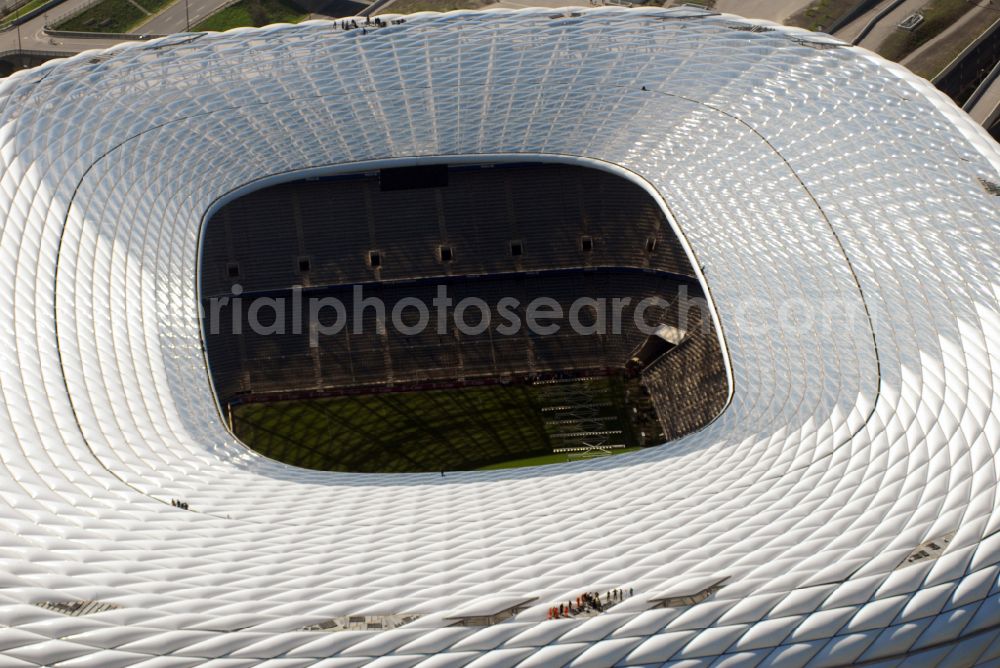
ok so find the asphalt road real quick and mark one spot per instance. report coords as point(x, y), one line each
point(769, 10)
point(33, 38)
point(851, 31)
point(988, 103)
point(887, 26)
point(175, 17)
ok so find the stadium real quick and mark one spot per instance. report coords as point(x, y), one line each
point(799, 471)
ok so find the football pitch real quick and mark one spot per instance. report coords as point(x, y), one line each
point(486, 427)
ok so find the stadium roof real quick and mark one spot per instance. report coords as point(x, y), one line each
point(795, 167)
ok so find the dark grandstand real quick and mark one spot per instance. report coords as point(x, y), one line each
point(364, 399)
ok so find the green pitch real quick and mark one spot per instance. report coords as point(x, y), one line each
point(499, 426)
point(558, 458)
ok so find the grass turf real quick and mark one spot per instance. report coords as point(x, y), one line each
point(113, 16)
point(821, 14)
point(412, 6)
point(437, 430)
point(938, 15)
point(253, 13)
point(555, 458)
point(932, 61)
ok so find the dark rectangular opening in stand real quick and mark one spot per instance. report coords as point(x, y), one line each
point(409, 178)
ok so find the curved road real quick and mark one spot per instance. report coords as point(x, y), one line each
point(33, 37)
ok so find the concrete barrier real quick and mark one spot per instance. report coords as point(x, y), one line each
point(875, 20)
point(859, 9)
point(73, 34)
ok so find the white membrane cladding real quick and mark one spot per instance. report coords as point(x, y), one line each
point(801, 171)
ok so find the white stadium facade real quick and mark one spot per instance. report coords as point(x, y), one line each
point(842, 510)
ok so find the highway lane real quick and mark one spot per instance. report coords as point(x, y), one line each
point(887, 26)
point(179, 16)
point(770, 10)
point(851, 31)
point(983, 110)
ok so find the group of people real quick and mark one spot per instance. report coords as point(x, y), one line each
point(588, 601)
point(177, 503)
point(369, 23)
